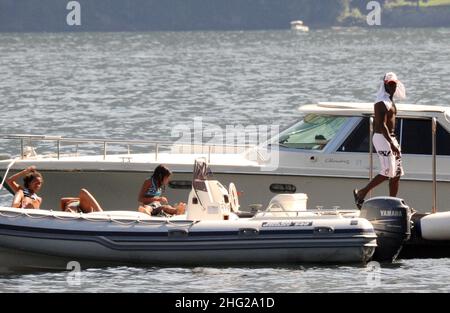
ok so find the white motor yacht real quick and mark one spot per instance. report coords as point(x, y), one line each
point(326, 154)
point(299, 25)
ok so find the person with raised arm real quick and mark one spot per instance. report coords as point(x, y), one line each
point(26, 197)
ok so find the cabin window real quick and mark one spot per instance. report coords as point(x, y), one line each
point(283, 188)
point(416, 137)
point(180, 184)
point(442, 141)
point(312, 133)
point(358, 141)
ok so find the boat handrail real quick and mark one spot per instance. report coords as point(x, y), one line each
point(317, 211)
point(105, 142)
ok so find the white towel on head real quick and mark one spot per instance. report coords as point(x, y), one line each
point(382, 95)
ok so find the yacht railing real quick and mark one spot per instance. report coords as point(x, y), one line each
point(59, 140)
point(279, 211)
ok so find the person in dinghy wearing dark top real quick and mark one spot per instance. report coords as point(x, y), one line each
point(150, 198)
point(384, 139)
point(26, 197)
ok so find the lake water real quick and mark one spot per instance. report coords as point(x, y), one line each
point(140, 85)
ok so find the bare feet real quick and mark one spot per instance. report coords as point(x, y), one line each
point(145, 209)
point(181, 208)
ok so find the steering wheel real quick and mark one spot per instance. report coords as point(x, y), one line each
point(233, 197)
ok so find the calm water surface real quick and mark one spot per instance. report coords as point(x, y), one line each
point(404, 276)
point(140, 85)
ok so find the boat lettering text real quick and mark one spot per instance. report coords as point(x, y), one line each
point(331, 160)
point(287, 224)
point(390, 213)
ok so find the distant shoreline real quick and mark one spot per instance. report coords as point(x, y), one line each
point(204, 15)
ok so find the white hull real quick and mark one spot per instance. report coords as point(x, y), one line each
point(119, 189)
point(328, 174)
point(300, 28)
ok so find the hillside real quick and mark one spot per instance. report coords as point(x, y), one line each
point(149, 15)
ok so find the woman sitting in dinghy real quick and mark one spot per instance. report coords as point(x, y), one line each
point(25, 197)
point(150, 198)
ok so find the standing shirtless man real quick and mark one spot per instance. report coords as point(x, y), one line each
point(384, 139)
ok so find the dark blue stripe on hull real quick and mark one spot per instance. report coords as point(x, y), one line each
point(164, 233)
point(166, 244)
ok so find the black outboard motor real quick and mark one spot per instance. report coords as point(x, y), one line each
point(391, 220)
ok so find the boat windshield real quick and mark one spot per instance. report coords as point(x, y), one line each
point(312, 133)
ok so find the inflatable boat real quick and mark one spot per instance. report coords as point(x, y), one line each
point(212, 232)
